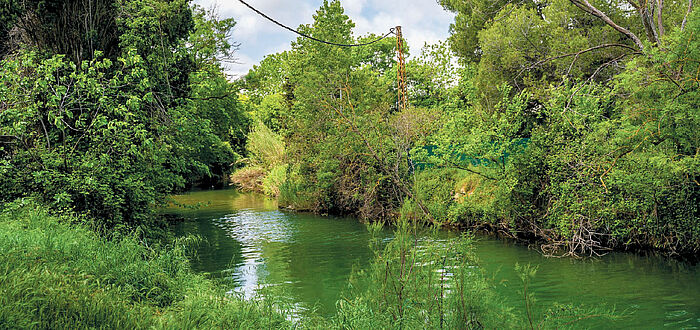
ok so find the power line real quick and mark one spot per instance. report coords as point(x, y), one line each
point(391, 31)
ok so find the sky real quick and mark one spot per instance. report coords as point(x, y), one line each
point(421, 20)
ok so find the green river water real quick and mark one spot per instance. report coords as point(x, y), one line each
point(310, 258)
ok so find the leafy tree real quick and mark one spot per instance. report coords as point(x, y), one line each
point(268, 90)
point(75, 28)
point(472, 17)
point(158, 30)
point(75, 138)
point(339, 114)
point(585, 140)
point(432, 76)
point(112, 135)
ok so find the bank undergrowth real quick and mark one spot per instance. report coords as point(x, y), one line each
point(55, 274)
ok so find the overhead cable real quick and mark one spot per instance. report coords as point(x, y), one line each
point(391, 31)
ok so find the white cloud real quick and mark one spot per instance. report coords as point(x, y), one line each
point(421, 20)
point(353, 7)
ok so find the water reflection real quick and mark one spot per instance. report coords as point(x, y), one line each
point(310, 258)
point(251, 242)
point(656, 292)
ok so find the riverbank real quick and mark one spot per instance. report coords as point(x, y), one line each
point(462, 201)
point(310, 259)
point(59, 274)
point(468, 198)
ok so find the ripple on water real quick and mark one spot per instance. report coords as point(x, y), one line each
point(311, 257)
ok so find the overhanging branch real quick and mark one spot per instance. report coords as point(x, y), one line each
point(587, 7)
point(578, 54)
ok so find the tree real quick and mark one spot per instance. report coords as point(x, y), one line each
point(530, 44)
point(76, 28)
point(472, 17)
point(112, 135)
point(581, 133)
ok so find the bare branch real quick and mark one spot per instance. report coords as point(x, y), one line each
point(46, 134)
point(8, 137)
point(579, 53)
point(659, 17)
point(647, 22)
point(685, 19)
point(571, 98)
point(587, 7)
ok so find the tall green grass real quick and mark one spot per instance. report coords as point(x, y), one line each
point(265, 168)
point(419, 282)
point(54, 274)
point(265, 147)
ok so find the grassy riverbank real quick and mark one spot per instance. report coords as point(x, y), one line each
point(58, 273)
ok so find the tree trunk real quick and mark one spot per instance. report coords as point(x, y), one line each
point(645, 14)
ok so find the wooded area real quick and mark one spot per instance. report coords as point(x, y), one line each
point(540, 119)
point(572, 124)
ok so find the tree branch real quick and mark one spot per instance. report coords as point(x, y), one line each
point(46, 134)
point(587, 7)
point(579, 53)
point(659, 17)
point(212, 97)
point(568, 104)
point(647, 22)
point(685, 19)
point(451, 164)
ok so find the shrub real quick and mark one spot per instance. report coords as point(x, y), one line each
point(274, 179)
point(249, 179)
point(420, 281)
point(265, 147)
point(297, 194)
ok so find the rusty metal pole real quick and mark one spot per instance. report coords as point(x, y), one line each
point(401, 72)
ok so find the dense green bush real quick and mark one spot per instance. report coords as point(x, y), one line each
point(110, 136)
point(265, 148)
point(274, 180)
point(265, 168)
point(583, 165)
point(76, 140)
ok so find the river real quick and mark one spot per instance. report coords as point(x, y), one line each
point(308, 259)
